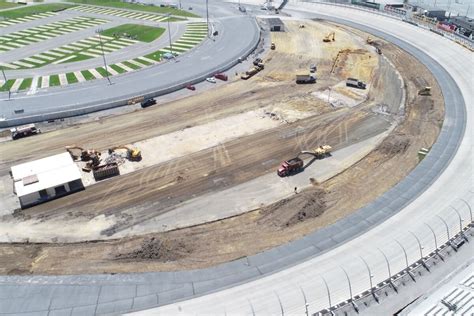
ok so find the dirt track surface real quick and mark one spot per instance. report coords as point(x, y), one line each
point(247, 234)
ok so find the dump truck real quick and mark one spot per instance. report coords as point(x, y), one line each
point(305, 79)
point(289, 167)
point(24, 131)
point(355, 83)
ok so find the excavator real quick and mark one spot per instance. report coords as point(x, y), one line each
point(370, 41)
point(92, 156)
point(330, 37)
point(133, 154)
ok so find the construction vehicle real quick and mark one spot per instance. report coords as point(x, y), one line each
point(133, 154)
point(221, 76)
point(290, 166)
point(331, 37)
point(301, 79)
point(84, 155)
point(257, 61)
point(355, 83)
point(272, 46)
point(249, 73)
point(24, 131)
point(370, 41)
point(378, 50)
point(319, 152)
point(425, 91)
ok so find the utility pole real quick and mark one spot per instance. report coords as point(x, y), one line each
point(169, 34)
point(103, 55)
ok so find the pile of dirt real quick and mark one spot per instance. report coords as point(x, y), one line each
point(294, 210)
point(163, 250)
point(394, 144)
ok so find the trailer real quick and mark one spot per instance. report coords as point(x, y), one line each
point(106, 171)
point(24, 131)
point(355, 83)
point(302, 79)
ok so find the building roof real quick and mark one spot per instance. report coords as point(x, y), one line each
point(44, 173)
point(275, 22)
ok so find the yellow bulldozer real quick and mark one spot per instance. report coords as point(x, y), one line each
point(425, 91)
point(133, 154)
point(331, 37)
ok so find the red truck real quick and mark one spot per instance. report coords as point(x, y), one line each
point(290, 166)
point(221, 76)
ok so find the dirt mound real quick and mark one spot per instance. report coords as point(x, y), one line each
point(163, 250)
point(290, 211)
point(394, 144)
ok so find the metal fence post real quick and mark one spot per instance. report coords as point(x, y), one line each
point(329, 295)
point(436, 242)
point(389, 271)
point(461, 231)
point(447, 232)
point(421, 251)
point(370, 280)
point(406, 261)
point(356, 308)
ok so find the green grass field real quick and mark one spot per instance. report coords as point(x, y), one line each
point(54, 81)
point(71, 78)
point(87, 75)
point(7, 5)
point(141, 33)
point(137, 7)
point(7, 85)
point(117, 69)
point(26, 84)
point(103, 72)
point(34, 9)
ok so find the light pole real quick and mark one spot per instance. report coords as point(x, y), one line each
point(350, 290)
point(103, 56)
point(389, 271)
point(169, 34)
point(421, 250)
point(460, 224)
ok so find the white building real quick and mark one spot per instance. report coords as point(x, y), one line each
point(44, 179)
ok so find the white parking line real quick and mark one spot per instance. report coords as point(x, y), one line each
point(128, 69)
point(95, 73)
point(79, 76)
point(62, 79)
point(34, 86)
point(16, 85)
point(45, 82)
